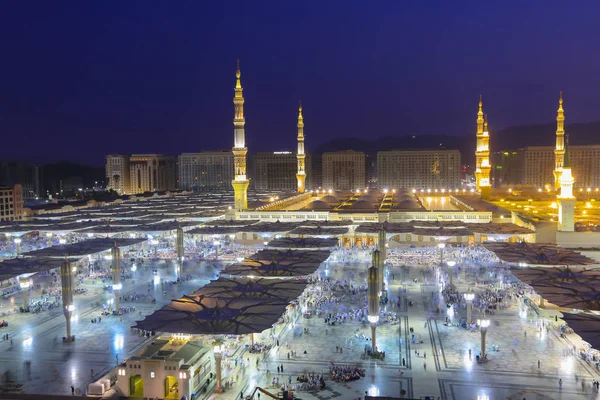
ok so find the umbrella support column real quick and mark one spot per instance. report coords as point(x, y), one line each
point(66, 280)
point(219, 387)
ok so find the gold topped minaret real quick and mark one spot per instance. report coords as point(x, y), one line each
point(559, 151)
point(240, 181)
point(482, 155)
point(566, 199)
point(301, 175)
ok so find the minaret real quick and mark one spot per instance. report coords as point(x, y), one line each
point(482, 155)
point(559, 151)
point(301, 175)
point(240, 182)
point(566, 200)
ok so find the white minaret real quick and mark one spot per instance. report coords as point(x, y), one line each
point(240, 182)
point(566, 200)
point(301, 174)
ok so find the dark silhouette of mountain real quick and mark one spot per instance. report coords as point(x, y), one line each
point(510, 138)
point(544, 135)
point(67, 171)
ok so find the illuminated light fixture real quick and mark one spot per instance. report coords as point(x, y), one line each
point(62, 241)
point(18, 240)
point(117, 286)
point(469, 296)
point(134, 267)
point(90, 235)
point(373, 318)
point(70, 307)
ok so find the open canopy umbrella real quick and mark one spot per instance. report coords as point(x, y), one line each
point(274, 289)
point(211, 315)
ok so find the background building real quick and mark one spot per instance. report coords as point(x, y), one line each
point(533, 166)
point(277, 171)
point(29, 176)
point(11, 203)
point(152, 173)
point(206, 170)
point(422, 169)
point(118, 174)
point(344, 170)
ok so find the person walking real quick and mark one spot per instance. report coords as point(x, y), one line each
point(560, 384)
point(72, 390)
point(539, 364)
point(425, 366)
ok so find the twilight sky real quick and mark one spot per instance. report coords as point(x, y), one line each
point(80, 79)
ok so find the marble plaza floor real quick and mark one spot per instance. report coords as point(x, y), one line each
point(442, 368)
point(54, 365)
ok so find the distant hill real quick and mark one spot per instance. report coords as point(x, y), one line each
point(544, 135)
point(64, 170)
point(509, 138)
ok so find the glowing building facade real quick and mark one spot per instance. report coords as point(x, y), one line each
point(482, 155)
point(240, 181)
point(301, 157)
point(559, 151)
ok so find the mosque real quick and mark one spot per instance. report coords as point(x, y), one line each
point(409, 216)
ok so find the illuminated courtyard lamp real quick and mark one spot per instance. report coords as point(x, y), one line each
point(154, 242)
point(24, 283)
point(62, 241)
point(441, 247)
point(483, 327)
point(450, 265)
point(469, 298)
point(18, 243)
point(218, 353)
point(232, 238)
point(373, 310)
point(49, 236)
point(216, 243)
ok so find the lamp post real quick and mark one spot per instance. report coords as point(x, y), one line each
point(218, 353)
point(18, 243)
point(180, 252)
point(116, 274)
point(441, 246)
point(49, 237)
point(373, 296)
point(483, 326)
point(216, 243)
point(154, 242)
point(24, 283)
point(62, 241)
point(232, 238)
point(469, 298)
point(450, 265)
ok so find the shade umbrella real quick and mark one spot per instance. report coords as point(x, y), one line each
point(211, 315)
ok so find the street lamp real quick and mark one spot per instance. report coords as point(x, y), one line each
point(49, 236)
point(18, 243)
point(441, 246)
point(483, 326)
point(218, 353)
point(24, 283)
point(451, 264)
point(469, 298)
point(62, 241)
point(216, 243)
